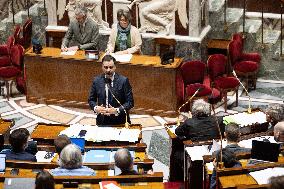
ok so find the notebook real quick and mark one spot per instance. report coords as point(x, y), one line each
point(265, 151)
point(97, 156)
point(80, 142)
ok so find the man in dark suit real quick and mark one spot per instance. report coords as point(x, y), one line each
point(111, 95)
point(82, 33)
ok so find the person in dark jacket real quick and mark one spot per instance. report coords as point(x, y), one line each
point(124, 162)
point(19, 141)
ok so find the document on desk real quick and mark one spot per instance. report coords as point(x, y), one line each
point(122, 57)
point(97, 156)
point(197, 152)
point(44, 156)
point(248, 143)
point(263, 176)
point(69, 53)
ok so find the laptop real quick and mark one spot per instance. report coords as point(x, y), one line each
point(80, 142)
point(266, 151)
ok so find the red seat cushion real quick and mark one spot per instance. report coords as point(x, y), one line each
point(205, 90)
point(10, 71)
point(226, 82)
point(5, 61)
point(246, 66)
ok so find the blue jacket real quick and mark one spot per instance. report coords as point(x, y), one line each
point(83, 171)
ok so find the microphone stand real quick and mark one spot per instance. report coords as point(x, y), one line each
point(235, 75)
point(126, 120)
point(178, 120)
point(221, 163)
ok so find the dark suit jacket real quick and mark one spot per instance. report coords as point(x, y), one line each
point(122, 91)
point(24, 156)
point(87, 40)
point(199, 129)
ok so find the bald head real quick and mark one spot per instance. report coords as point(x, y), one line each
point(279, 131)
point(123, 159)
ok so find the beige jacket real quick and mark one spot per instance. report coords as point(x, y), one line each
point(136, 40)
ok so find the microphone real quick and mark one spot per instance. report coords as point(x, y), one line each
point(235, 75)
point(108, 82)
point(194, 94)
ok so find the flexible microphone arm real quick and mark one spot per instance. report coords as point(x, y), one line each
point(220, 164)
point(235, 75)
point(126, 119)
point(199, 89)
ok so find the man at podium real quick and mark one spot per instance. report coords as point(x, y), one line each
point(82, 33)
point(111, 95)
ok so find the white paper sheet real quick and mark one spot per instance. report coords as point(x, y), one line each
point(69, 53)
point(40, 157)
point(122, 57)
point(263, 176)
point(197, 152)
point(60, 28)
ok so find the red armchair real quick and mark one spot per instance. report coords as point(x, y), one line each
point(5, 52)
point(11, 72)
point(217, 70)
point(252, 56)
point(244, 68)
point(17, 33)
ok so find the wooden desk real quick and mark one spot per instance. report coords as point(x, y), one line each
point(217, 46)
point(154, 181)
point(45, 134)
point(66, 80)
point(54, 37)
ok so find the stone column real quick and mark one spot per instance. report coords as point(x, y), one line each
point(194, 18)
point(51, 12)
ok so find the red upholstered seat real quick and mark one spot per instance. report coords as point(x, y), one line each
point(193, 75)
point(5, 52)
point(217, 69)
point(10, 73)
point(246, 69)
point(17, 33)
point(251, 56)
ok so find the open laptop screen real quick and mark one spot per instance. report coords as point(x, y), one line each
point(80, 142)
point(265, 151)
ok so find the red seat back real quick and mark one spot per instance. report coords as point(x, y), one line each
point(217, 65)
point(193, 72)
point(17, 56)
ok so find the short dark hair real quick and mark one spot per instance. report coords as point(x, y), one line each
point(60, 142)
point(125, 13)
point(123, 159)
point(44, 180)
point(276, 182)
point(229, 158)
point(232, 132)
point(18, 138)
point(108, 58)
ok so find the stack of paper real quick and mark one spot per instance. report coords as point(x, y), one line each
point(263, 176)
point(122, 57)
point(44, 156)
point(197, 152)
point(244, 119)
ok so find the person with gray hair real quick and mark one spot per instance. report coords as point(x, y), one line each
point(279, 131)
point(124, 162)
point(275, 113)
point(201, 126)
point(124, 38)
point(70, 162)
point(82, 33)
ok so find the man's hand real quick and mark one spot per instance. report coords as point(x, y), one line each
point(100, 109)
point(111, 110)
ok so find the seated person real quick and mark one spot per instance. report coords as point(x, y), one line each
point(279, 132)
point(276, 182)
point(44, 180)
point(232, 134)
point(124, 162)
point(60, 142)
point(275, 114)
point(124, 38)
point(82, 33)
point(19, 140)
point(229, 159)
point(70, 162)
point(202, 126)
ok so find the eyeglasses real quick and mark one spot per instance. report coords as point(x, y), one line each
point(106, 67)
